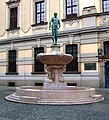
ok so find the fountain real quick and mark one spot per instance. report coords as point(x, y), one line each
point(55, 89)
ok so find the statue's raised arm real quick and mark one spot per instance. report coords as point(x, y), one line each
point(55, 24)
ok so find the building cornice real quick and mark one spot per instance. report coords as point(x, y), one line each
point(61, 34)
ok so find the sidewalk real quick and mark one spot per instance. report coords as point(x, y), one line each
point(17, 111)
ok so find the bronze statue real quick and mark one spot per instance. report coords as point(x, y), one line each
point(55, 24)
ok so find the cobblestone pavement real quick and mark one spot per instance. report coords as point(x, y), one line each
point(18, 111)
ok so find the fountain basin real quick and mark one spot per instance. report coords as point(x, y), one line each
point(71, 95)
point(54, 58)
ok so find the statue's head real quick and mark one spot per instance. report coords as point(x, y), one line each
point(55, 14)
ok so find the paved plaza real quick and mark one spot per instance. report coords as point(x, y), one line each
point(18, 111)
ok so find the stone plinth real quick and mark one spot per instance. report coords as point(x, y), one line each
point(54, 86)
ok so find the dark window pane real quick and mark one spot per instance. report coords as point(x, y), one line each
point(68, 2)
point(38, 18)
point(71, 8)
point(13, 18)
point(42, 7)
point(43, 17)
point(68, 11)
point(105, 5)
point(74, 2)
point(40, 12)
point(38, 66)
point(38, 5)
point(73, 65)
point(75, 10)
point(106, 49)
point(12, 61)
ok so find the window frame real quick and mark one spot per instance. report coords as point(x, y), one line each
point(12, 64)
point(106, 50)
point(13, 18)
point(103, 7)
point(38, 50)
point(72, 15)
point(41, 11)
point(10, 5)
point(75, 57)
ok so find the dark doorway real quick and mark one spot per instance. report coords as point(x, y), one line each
point(107, 74)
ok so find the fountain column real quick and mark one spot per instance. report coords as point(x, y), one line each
point(55, 63)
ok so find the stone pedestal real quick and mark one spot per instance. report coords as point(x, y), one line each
point(55, 86)
point(55, 48)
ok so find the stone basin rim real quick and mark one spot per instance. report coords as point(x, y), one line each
point(33, 88)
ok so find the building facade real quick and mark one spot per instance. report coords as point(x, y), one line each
point(84, 33)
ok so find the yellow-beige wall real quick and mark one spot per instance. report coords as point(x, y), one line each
point(24, 53)
point(26, 17)
point(89, 48)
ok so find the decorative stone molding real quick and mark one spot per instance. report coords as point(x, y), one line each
point(12, 33)
point(44, 27)
point(104, 19)
point(37, 0)
point(89, 10)
point(70, 23)
point(13, 3)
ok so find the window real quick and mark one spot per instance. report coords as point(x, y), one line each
point(12, 61)
point(40, 12)
point(71, 8)
point(105, 5)
point(73, 65)
point(38, 66)
point(13, 18)
point(106, 49)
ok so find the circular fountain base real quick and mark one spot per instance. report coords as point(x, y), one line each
point(71, 95)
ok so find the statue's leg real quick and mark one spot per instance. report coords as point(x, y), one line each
point(53, 36)
point(56, 36)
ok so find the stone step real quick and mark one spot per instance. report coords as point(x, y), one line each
point(13, 97)
point(64, 100)
point(37, 100)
